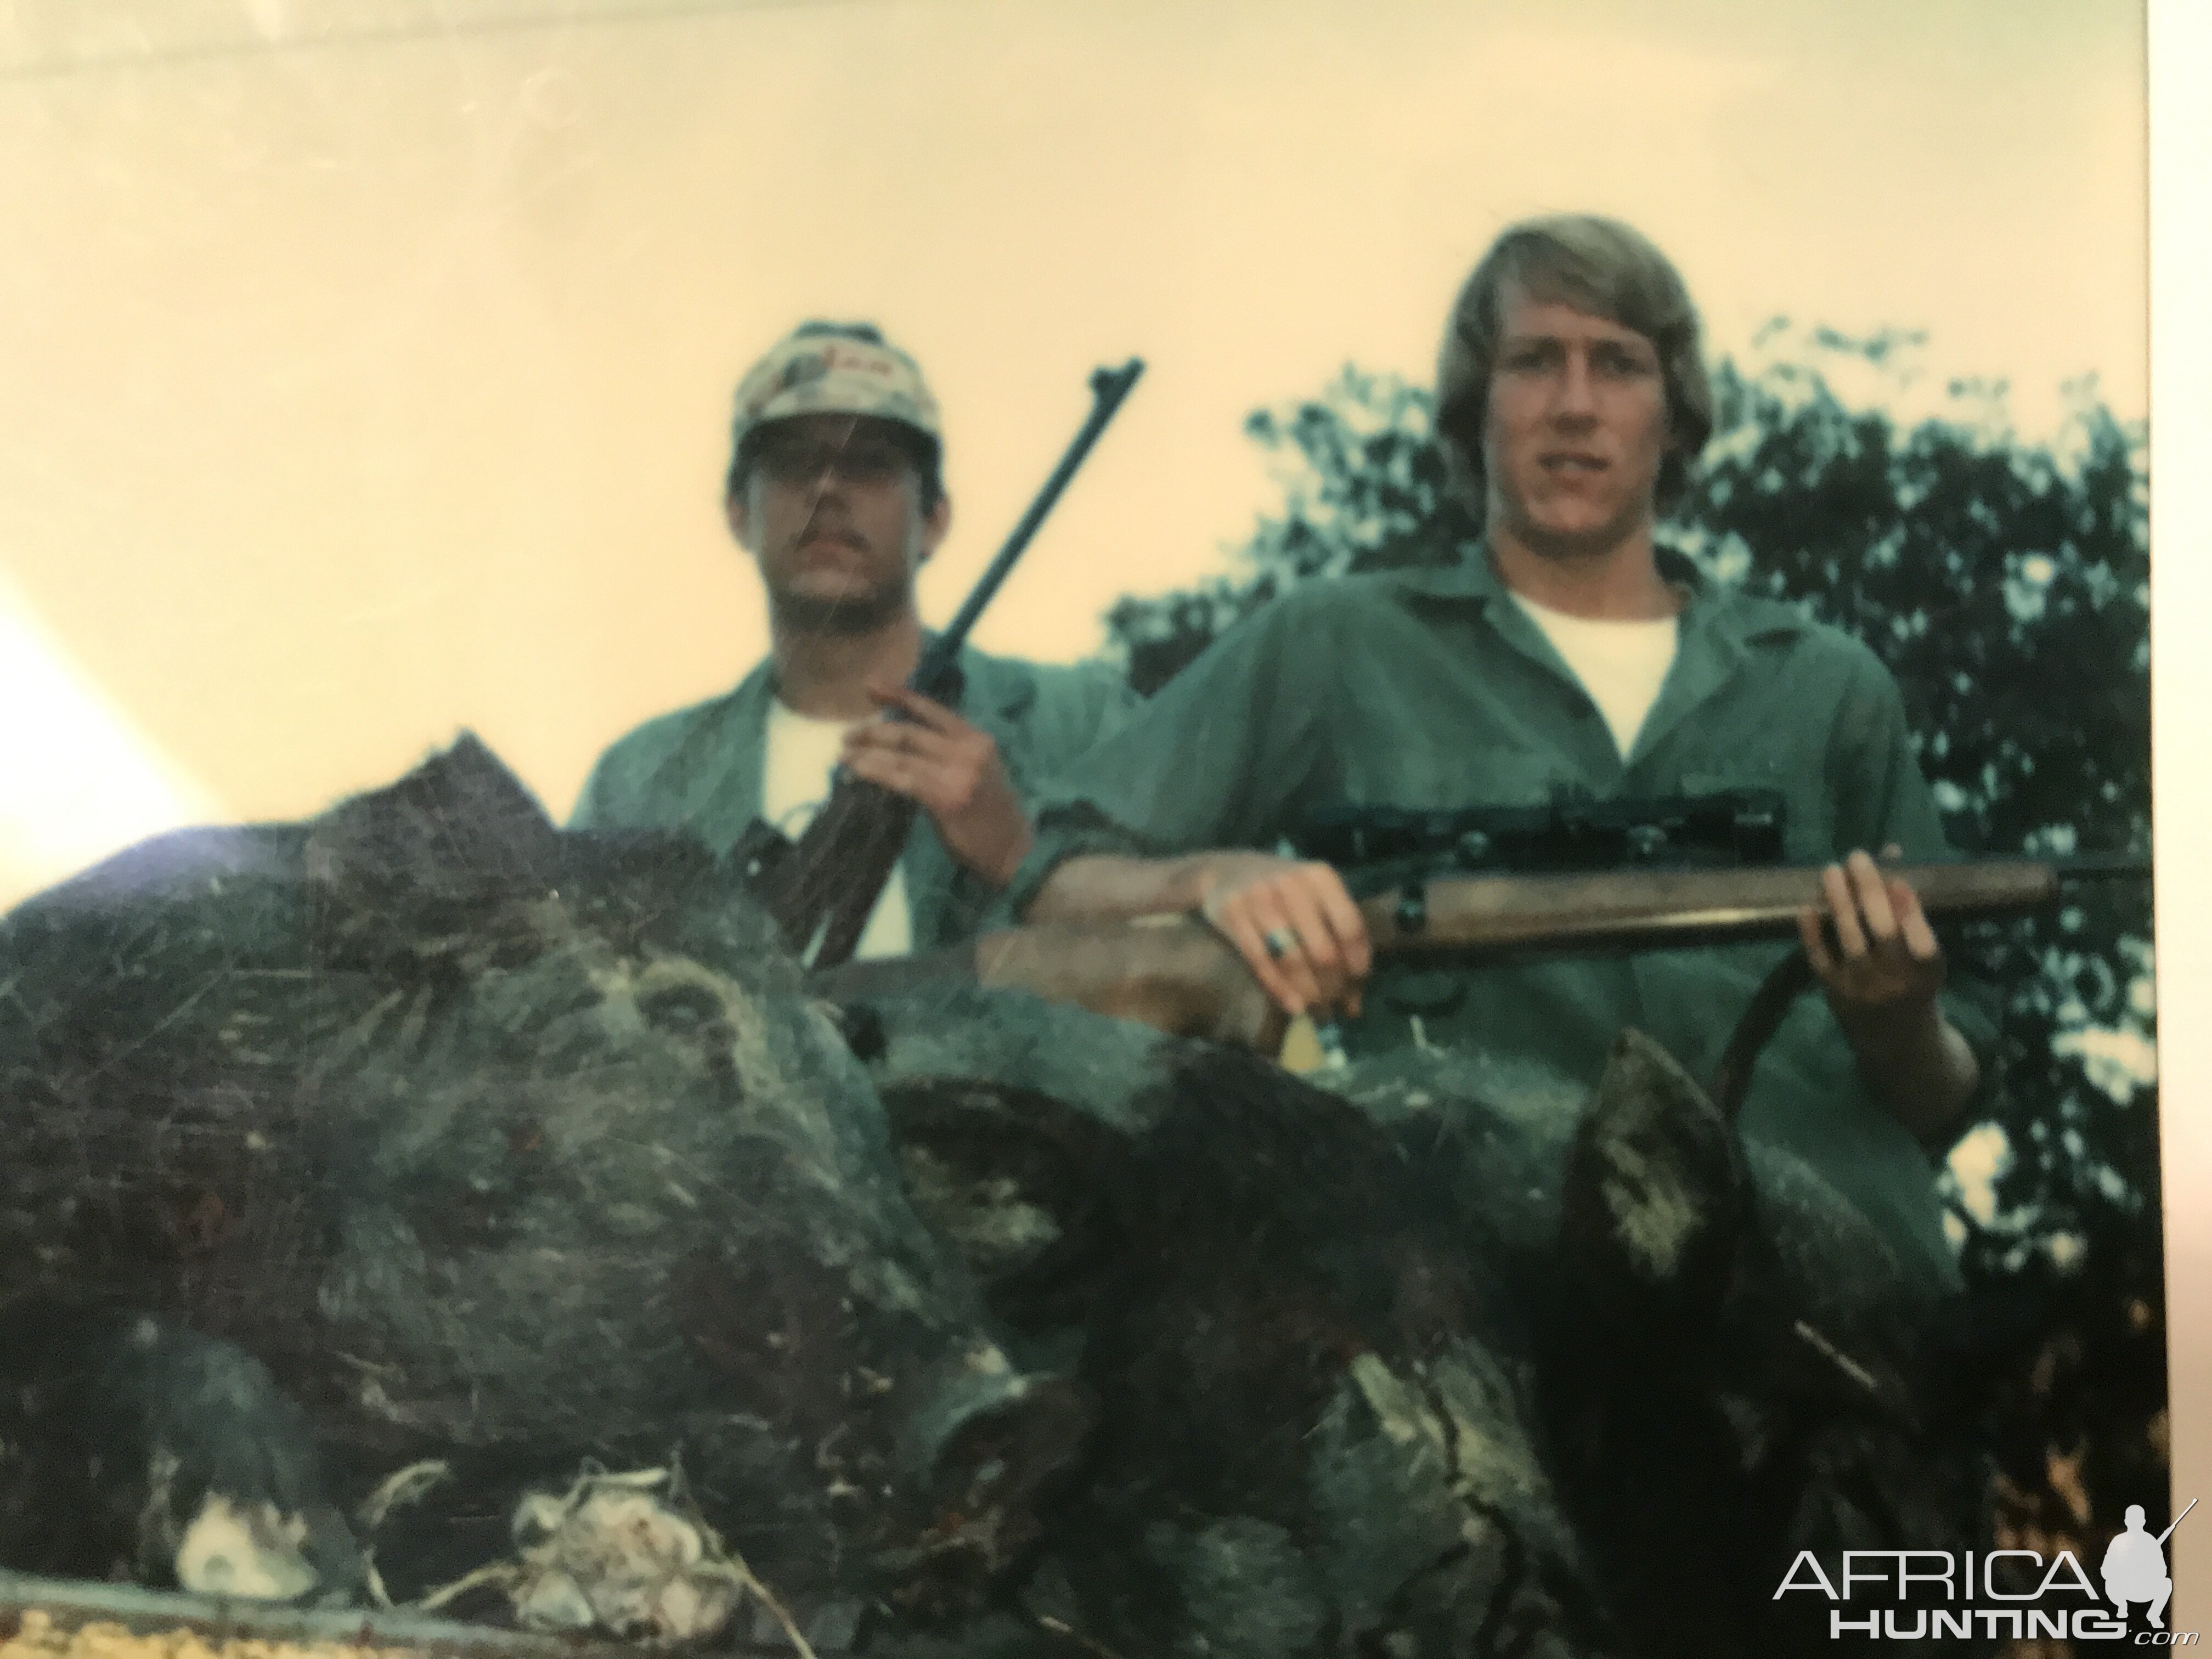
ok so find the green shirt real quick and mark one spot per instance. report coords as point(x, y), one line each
point(1432, 688)
point(699, 770)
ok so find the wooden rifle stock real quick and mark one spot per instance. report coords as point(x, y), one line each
point(824, 885)
point(1624, 910)
point(1656, 910)
point(822, 889)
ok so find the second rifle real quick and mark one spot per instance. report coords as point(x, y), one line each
point(821, 887)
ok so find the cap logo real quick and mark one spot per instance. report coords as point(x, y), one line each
point(817, 376)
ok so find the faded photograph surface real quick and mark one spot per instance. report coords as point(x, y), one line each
point(903, 827)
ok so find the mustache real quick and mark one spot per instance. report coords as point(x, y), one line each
point(829, 527)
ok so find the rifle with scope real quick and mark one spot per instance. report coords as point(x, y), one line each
point(1484, 883)
point(1626, 874)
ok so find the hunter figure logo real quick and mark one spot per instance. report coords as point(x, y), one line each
point(2134, 1567)
point(1925, 1590)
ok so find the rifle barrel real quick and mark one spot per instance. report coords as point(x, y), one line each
point(1644, 909)
point(822, 889)
point(1109, 387)
point(2102, 867)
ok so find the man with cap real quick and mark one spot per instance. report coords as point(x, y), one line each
point(836, 487)
point(1565, 654)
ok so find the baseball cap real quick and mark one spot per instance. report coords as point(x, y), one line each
point(834, 368)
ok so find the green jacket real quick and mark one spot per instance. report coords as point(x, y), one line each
point(1430, 688)
point(699, 770)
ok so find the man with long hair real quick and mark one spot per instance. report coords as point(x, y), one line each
point(1566, 655)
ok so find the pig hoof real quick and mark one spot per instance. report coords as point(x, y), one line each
point(247, 1545)
point(233, 1502)
point(249, 1550)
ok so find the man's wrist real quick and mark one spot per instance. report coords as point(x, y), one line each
point(1916, 1064)
point(1001, 871)
point(1188, 883)
point(1102, 886)
point(1883, 1035)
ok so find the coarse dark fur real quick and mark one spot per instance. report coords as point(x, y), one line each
point(495, 1146)
point(423, 1130)
point(1776, 1385)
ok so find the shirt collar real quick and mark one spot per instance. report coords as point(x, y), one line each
point(1717, 609)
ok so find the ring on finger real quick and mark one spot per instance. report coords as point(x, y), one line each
point(1279, 941)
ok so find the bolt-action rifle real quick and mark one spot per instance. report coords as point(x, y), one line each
point(821, 887)
point(1486, 884)
point(1620, 875)
point(1625, 876)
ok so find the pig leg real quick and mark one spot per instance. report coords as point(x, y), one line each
point(148, 1449)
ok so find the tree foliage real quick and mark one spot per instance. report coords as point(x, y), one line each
point(2004, 580)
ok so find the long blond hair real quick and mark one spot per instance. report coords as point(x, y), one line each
point(1598, 265)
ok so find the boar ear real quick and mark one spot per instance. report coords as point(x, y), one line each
point(1655, 1198)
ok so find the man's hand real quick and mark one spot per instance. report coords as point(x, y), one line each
point(1296, 925)
point(1883, 977)
point(951, 769)
point(1887, 964)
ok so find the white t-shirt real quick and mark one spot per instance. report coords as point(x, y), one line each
point(801, 754)
point(1621, 665)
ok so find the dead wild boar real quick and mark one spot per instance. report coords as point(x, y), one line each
point(423, 1132)
point(1446, 1356)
